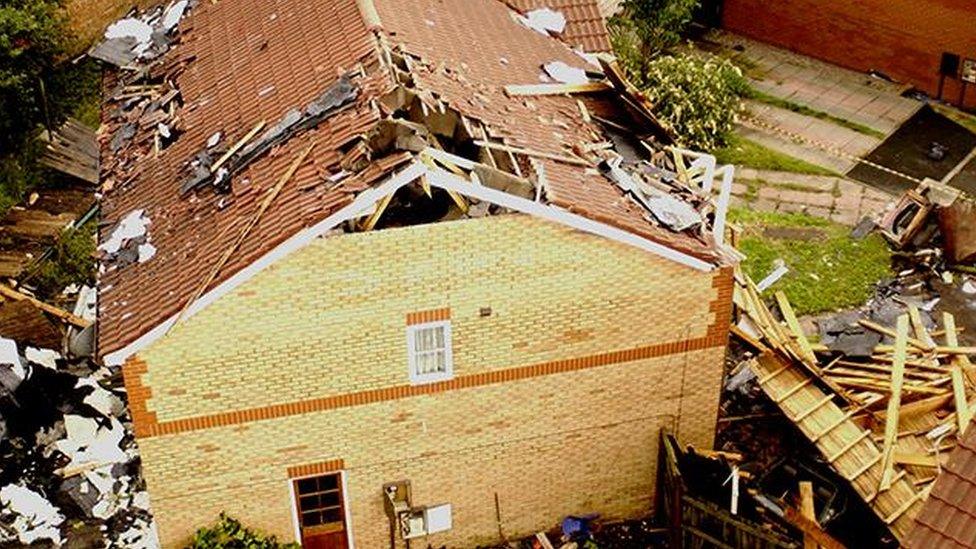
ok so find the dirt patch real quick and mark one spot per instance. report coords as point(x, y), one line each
point(805, 234)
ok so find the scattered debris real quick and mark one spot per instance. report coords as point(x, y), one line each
point(544, 21)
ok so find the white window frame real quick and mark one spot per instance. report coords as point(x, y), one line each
point(421, 379)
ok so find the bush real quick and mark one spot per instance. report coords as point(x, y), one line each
point(697, 98)
point(229, 533)
point(72, 261)
point(645, 28)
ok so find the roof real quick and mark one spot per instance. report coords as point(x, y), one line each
point(948, 518)
point(238, 63)
point(585, 26)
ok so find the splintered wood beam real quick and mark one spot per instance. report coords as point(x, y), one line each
point(964, 414)
point(894, 403)
point(513, 90)
point(808, 511)
point(236, 147)
point(7, 292)
point(920, 331)
point(891, 333)
point(916, 459)
point(529, 152)
point(377, 213)
point(791, 321)
point(952, 340)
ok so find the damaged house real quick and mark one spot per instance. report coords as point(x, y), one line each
point(381, 270)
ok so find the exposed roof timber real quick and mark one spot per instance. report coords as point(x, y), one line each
point(365, 203)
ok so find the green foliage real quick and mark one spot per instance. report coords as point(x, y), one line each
point(645, 28)
point(745, 152)
point(697, 97)
point(229, 533)
point(71, 262)
point(31, 42)
point(828, 269)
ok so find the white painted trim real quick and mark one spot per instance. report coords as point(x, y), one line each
point(347, 516)
point(722, 205)
point(423, 379)
point(367, 199)
point(363, 202)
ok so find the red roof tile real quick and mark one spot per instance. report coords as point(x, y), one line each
point(253, 61)
point(948, 518)
point(585, 26)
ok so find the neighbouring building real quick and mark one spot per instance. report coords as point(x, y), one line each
point(929, 44)
point(342, 254)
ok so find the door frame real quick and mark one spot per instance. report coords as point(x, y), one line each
point(347, 516)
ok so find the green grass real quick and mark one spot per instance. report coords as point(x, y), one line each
point(771, 100)
point(828, 272)
point(746, 152)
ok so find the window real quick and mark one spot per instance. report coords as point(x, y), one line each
point(320, 503)
point(429, 352)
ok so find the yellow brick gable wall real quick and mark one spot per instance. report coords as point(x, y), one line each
point(330, 319)
point(558, 397)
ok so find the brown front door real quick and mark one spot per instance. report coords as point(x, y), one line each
point(321, 512)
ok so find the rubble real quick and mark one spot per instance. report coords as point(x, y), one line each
point(67, 457)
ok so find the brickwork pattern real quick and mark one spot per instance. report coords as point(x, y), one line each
point(295, 330)
point(575, 442)
point(903, 38)
point(590, 347)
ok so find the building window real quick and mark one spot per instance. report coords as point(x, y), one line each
point(320, 504)
point(429, 352)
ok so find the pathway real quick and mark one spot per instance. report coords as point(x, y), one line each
point(836, 198)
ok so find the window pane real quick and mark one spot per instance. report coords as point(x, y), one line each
point(307, 503)
point(311, 519)
point(330, 482)
point(329, 500)
point(307, 485)
point(331, 515)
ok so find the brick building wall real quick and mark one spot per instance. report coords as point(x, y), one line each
point(589, 348)
point(902, 38)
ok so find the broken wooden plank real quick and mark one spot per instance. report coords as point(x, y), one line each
point(808, 511)
point(894, 403)
point(964, 413)
point(891, 333)
point(916, 459)
point(530, 152)
point(9, 293)
point(236, 147)
point(555, 89)
point(794, 325)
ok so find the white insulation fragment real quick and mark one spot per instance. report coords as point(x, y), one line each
point(132, 226)
point(35, 518)
point(544, 20)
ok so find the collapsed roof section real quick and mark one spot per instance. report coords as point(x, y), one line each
point(197, 139)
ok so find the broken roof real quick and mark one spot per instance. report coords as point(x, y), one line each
point(235, 65)
point(585, 26)
point(948, 518)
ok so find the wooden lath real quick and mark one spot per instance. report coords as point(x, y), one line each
point(73, 149)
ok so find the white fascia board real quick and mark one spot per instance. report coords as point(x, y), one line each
point(367, 200)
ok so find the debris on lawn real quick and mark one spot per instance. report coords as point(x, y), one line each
point(68, 460)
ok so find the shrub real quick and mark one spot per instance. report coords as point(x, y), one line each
point(71, 262)
point(698, 98)
point(229, 533)
point(645, 28)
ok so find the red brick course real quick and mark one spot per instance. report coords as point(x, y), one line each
point(902, 38)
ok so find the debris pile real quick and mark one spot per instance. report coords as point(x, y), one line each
point(143, 37)
point(883, 395)
point(69, 466)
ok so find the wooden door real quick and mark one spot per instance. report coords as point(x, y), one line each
point(321, 512)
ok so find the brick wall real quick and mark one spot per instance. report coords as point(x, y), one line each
point(589, 348)
point(903, 38)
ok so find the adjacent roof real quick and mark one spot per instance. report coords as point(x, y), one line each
point(585, 26)
point(948, 518)
point(240, 62)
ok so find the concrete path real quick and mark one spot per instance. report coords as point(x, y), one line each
point(835, 198)
point(840, 92)
point(817, 139)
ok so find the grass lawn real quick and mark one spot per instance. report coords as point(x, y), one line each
point(807, 111)
point(746, 152)
point(828, 269)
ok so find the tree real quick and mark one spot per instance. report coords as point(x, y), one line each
point(31, 43)
point(697, 97)
point(645, 28)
